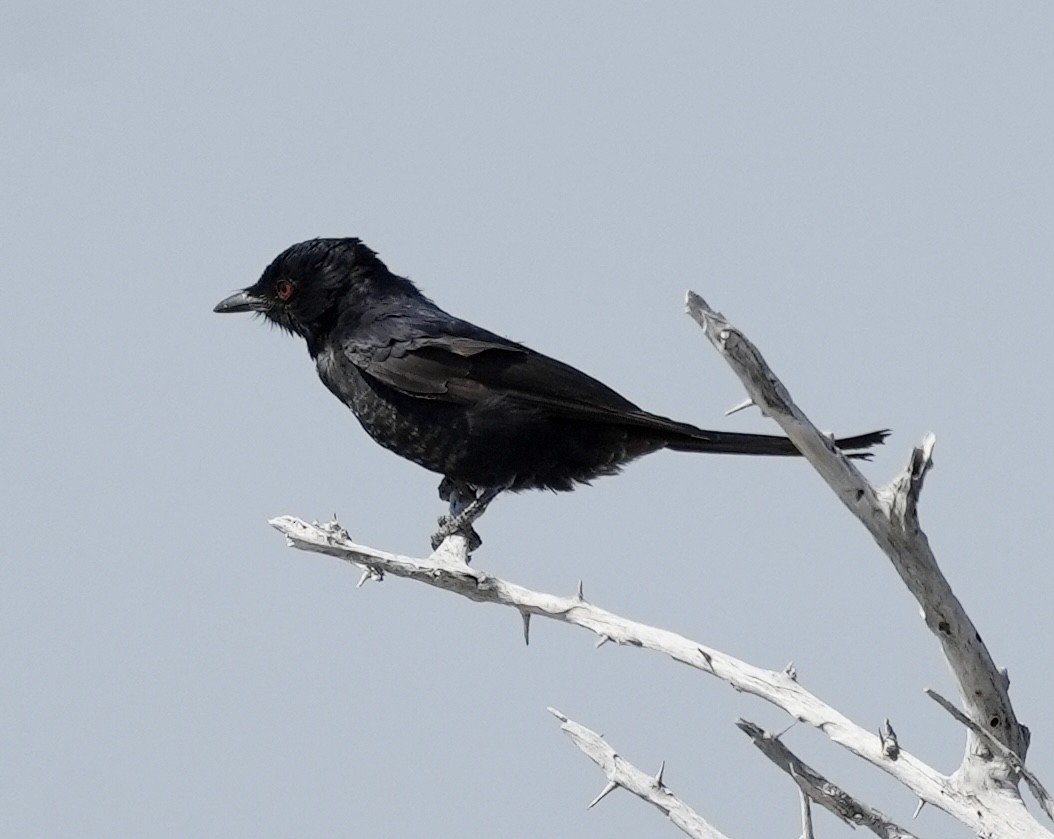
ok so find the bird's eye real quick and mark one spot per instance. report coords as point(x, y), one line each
point(284, 289)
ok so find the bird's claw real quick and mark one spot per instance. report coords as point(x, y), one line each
point(466, 505)
point(456, 525)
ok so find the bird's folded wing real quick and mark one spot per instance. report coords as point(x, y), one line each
point(471, 371)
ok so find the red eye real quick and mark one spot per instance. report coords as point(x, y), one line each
point(284, 289)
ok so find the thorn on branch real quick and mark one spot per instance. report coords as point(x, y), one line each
point(611, 786)
point(742, 406)
point(335, 532)
point(890, 746)
point(526, 627)
point(370, 573)
point(658, 775)
point(783, 731)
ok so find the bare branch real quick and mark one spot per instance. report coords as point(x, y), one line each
point(622, 773)
point(806, 816)
point(1034, 784)
point(890, 514)
point(973, 807)
point(819, 789)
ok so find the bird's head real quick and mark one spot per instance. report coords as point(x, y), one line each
point(311, 284)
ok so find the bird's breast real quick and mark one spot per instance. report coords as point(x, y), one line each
point(427, 431)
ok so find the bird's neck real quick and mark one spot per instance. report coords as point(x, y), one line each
point(373, 292)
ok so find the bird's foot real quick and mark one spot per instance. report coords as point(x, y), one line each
point(454, 526)
point(466, 505)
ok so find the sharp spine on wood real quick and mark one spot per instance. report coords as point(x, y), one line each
point(890, 745)
point(611, 786)
point(742, 406)
point(526, 627)
point(784, 731)
point(658, 775)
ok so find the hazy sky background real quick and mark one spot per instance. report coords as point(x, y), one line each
point(866, 189)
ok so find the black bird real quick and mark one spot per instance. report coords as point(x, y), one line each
point(486, 413)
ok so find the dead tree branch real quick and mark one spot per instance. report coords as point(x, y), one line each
point(444, 570)
point(621, 773)
point(891, 516)
point(817, 788)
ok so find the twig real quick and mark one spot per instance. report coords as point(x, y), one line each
point(819, 789)
point(621, 773)
point(806, 816)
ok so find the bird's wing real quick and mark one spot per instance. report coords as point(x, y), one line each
point(420, 366)
point(473, 368)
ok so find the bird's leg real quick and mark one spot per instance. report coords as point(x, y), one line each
point(450, 489)
point(460, 496)
point(466, 505)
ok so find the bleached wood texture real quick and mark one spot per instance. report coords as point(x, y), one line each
point(623, 774)
point(444, 570)
point(815, 787)
point(890, 514)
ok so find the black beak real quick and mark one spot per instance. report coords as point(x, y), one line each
point(242, 302)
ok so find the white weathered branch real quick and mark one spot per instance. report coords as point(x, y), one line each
point(890, 515)
point(806, 816)
point(816, 787)
point(1034, 784)
point(985, 814)
point(621, 773)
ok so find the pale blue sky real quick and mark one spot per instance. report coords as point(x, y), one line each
point(867, 190)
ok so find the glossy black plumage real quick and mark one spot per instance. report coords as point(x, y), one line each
point(455, 398)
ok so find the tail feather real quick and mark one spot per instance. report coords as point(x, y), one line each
point(728, 442)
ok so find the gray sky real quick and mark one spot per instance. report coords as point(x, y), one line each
point(867, 190)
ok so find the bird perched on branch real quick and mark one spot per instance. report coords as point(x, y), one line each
point(487, 413)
